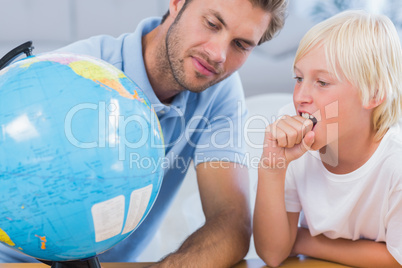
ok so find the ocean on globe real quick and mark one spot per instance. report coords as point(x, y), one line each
point(80, 156)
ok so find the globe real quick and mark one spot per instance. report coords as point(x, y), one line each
point(81, 153)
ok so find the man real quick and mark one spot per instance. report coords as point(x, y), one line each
point(186, 65)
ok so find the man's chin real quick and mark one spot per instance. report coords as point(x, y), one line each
point(197, 88)
point(202, 86)
point(199, 83)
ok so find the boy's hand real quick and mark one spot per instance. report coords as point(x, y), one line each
point(285, 140)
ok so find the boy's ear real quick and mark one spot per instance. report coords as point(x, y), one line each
point(373, 103)
point(175, 7)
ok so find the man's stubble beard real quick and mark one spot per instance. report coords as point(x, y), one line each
point(173, 64)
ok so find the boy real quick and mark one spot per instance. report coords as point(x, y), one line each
point(347, 191)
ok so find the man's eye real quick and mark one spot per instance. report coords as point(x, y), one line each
point(239, 44)
point(210, 24)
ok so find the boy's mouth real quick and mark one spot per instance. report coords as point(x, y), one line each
point(311, 117)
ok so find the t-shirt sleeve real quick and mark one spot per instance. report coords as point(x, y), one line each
point(223, 137)
point(394, 224)
point(292, 200)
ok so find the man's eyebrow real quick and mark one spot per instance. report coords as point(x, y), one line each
point(221, 20)
point(218, 16)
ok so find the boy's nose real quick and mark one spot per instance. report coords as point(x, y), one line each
point(302, 94)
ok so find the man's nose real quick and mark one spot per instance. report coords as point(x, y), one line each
point(217, 48)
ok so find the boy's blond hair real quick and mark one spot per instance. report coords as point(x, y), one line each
point(366, 50)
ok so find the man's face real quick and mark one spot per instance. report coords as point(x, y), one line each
point(211, 39)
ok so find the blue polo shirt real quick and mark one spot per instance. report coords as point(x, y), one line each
point(198, 127)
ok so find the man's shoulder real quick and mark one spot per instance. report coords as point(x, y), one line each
point(110, 48)
point(109, 41)
point(104, 47)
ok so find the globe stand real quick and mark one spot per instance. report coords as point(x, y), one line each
point(87, 263)
point(15, 53)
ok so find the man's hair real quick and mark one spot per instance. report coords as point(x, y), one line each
point(276, 9)
point(364, 49)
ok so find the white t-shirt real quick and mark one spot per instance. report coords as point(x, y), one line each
point(363, 204)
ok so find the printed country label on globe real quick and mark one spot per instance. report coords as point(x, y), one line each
point(71, 125)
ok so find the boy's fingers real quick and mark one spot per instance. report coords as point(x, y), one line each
point(298, 127)
point(294, 127)
point(308, 141)
point(288, 131)
point(307, 123)
point(281, 138)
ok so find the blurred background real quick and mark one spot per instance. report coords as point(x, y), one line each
point(52, 24)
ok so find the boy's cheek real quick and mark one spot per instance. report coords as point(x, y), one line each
point(332, 110)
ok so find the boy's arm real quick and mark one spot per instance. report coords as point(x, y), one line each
point(274, 229)
point(360, 253)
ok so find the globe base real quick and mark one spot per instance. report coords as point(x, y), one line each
point(87, 263)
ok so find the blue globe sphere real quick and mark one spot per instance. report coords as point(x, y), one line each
point(81, 153)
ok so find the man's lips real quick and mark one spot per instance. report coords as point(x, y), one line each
point(203, 67)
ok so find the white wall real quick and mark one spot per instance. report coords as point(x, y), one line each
point(52, 24)
point(55, 23)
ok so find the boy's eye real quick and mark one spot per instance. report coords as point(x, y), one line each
point(298, 79)
point(322, 83)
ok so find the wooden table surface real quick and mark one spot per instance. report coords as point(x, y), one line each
point(290, 262)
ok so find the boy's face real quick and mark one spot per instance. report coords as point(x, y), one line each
point(211, 39)
point(336, 104)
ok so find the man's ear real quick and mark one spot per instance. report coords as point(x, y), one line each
point(175, 7)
